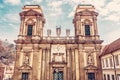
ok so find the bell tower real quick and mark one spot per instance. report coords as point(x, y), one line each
point(28, 52)
point(32, 23)
point(85, 23)
point(89, 43)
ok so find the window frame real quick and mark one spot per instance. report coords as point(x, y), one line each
point(87, 30)
point(29, 30)
point(117, 60)
point(25, 75)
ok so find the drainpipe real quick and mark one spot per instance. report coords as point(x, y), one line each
point(114, 66)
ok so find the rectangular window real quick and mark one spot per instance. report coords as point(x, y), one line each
point(87, 30)
point(103, 64)
point(108, 77)
point(91, 76)
point(58, 75)
point(24, 76)
point(118, 76)
point(29, 31)
point(117, 60)
point(106, 62)
point(113, 78)
point(111, 63)
point(104, 77)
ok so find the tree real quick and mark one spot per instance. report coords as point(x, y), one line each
point(7, 52)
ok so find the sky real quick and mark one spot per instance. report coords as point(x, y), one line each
point(61, 13)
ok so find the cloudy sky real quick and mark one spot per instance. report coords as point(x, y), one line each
point(60, 12)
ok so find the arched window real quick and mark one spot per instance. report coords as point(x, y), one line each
point(29, 31)
point(30, 23)
point(87, 30)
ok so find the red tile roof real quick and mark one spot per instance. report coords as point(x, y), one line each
point(111, 47)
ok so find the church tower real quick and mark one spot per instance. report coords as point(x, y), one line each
point(58, 57)
point(86, 36)
point(31, 33)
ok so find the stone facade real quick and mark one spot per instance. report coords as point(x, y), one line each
point(41, 57)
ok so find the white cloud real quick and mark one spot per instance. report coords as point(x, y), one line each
point(9, 36)
point(111, 36)
point(112, 17)
point(55, 8)
point(13, 2)
point(32, 2)
point(71, 14)
point(12, 18)
point(109, 10)
point(37, 1)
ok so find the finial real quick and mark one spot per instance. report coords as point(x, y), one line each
point(67, 32)
point(49, 32)
point(34, 2)
point(58, 30)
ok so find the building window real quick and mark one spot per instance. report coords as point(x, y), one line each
point(108, 77)
point(118, 76)
point(104, 77)
point(117, 60)
point(87, 30)
point(91, 76)
point(29, 31)
point(58, 75)
point(106, 62)
point(24, 76)
point(103, 64)
point(113, 78)
point(111, 63)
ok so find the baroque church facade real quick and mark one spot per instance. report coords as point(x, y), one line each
point(41, 57)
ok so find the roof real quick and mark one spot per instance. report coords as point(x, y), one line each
point(30, 13)
point(114, 46)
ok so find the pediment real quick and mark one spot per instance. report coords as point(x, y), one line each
point(90, 67)
point(87, 13)
point(25, 67)
point(30, 13)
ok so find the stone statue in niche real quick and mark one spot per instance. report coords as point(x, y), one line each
point(90, 58)
point(26, 59)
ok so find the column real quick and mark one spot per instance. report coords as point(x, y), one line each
point(77, 64)
point(47, 64)
point(40, 63)
point(35, 65)
point(81, 62)
point(68, 65)
point(73, 64)
point(21, 26)
point(43, 65)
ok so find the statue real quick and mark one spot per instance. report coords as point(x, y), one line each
point(26, 59)
point(90, 59)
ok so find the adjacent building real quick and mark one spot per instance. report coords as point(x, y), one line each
point(110, 60)
point(8, 72)
point(58, 57)
point(2, 70)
